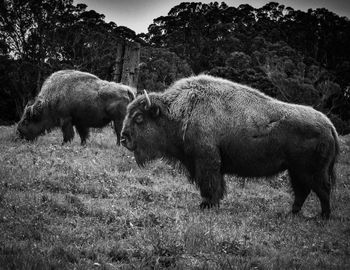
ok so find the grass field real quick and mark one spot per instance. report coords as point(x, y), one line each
point(74, 207)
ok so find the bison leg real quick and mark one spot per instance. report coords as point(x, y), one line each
point(209, 179)
point(302, 184)
point(118, 125)
point(321, 187)
point(67, 130)
point(301, 190)
point(83, 133)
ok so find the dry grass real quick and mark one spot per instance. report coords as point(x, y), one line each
point(73, 207)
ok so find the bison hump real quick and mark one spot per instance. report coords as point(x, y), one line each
point(107, 93)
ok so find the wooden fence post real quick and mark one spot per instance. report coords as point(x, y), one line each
point(126, 68)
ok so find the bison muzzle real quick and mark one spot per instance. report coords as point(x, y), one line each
point(214, 127)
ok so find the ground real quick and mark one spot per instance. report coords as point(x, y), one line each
point(92, 207)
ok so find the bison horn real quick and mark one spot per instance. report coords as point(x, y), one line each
point(31, 109)
point(148, 101)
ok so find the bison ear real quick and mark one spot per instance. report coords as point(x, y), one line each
point(131, 95)
point(154, 111)
point(30, 102)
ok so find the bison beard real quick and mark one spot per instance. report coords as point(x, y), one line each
point(214, 127)
point(145, 155)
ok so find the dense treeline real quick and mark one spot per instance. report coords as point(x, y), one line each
point(296, 56)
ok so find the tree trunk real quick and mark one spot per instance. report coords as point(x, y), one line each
point(126, 68)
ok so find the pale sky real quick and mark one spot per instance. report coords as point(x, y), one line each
point(139, 14)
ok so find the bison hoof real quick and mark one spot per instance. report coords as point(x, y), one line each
point(296, 211)
point(297, 214)
point(325, 215)
point(208, 205)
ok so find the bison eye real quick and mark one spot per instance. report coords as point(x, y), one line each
point(138, 118)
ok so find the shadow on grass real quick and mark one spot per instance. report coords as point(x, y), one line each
point(27, 257)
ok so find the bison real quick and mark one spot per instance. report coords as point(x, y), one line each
point(73, 98)
point(212, 127)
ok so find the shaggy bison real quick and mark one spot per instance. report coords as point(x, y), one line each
point(215, 127)
point(73, 98)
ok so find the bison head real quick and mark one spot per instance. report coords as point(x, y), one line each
point(32, 123)
point(145, 128)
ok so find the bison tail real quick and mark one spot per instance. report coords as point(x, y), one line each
point(331, 169)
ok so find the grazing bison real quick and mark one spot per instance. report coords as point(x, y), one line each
point(73, 98)
point(215, 127)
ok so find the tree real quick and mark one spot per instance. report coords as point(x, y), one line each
point(159, 68)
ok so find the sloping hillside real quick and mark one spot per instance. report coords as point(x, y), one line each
point(73, 207)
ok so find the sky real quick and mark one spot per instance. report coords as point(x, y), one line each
point(139, 14)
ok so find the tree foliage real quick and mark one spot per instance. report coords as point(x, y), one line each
point(159, 68)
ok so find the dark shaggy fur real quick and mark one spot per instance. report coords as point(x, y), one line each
point(215, 127)
point(72, 98)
